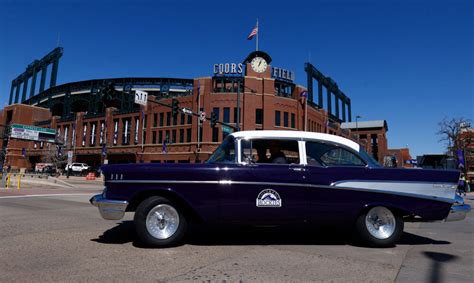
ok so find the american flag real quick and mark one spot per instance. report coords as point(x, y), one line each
point(253, 32)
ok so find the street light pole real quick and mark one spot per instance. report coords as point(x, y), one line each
point(238, 106)
point(238, 103)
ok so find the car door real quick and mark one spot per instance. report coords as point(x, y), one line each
point(326, 164)
point(264, 193)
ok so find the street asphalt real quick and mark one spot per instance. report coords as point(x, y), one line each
point(56, 235)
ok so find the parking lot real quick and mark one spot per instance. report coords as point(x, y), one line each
point(56, 235)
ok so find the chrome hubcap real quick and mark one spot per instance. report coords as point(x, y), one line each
point(380, 222)
point(162, 221)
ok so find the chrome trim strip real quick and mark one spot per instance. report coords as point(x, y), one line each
point(433, 190)
point(332, 186)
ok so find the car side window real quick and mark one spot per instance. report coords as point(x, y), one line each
point(225, 153)
point(318, 153)
point(272, 151)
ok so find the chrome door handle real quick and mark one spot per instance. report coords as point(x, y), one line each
point(299, 169)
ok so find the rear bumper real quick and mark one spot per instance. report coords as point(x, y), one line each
point(109, 209)
point(458, 212)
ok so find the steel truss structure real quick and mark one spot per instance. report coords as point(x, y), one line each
point(31, 72)
point(341, 101)
point(84, 96)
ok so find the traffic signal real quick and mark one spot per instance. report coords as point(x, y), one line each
point(174, 107)
point(213, 119)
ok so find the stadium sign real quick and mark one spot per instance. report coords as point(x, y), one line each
point(282, 74)
point(32, 133)
point(228, 69)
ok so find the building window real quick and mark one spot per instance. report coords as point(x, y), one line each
point(137, 130)
point(285, 119)
point(84, 135)
point(92, 135)
point(155, 120)
point(175, 120)
point(160, 137)
point(226, 115)
point(126, 131)
point(277, 118)
point(215, 134)
point(168, 118)
point(167, 137)
point(259, 116)
point(227, 84)
point(66, 141)
point(190, 119)
point(283, 89)
point(293, 122)
point(181, 135)
point(115, 132)
point(153, 138)
point(174, 137)
point(188, 135)
point(162, 118)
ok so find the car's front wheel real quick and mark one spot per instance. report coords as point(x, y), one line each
point(379, 227)
point(159, 223)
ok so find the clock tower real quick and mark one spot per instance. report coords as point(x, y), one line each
point(258, 65)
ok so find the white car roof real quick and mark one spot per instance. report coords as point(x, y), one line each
point(298, 135)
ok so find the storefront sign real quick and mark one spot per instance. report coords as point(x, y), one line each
point(282, 74)
point(228, 69)
point(26, 132)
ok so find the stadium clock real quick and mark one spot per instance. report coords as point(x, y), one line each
point(259, 64)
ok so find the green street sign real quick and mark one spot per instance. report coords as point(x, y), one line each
point(33, 128)
point(226, 129)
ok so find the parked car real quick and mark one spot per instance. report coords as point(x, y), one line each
point(78, 168)
point(279, 178)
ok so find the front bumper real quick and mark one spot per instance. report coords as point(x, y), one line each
point(458, 210)
point(109, 209)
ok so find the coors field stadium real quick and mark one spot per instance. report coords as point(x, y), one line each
point(183, 119)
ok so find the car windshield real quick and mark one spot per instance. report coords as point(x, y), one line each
point(225, 153)
point(369, 159)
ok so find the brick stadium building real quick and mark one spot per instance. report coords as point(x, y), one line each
point(116, 130)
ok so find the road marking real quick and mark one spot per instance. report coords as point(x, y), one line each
point(46, 195)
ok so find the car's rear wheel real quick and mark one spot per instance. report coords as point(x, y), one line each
point(379, 227)
point(159, 223)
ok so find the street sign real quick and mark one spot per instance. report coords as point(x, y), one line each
point(202, 116)
point(187, 111)
point(26, 132)
point(141, 97)
point(226, 129)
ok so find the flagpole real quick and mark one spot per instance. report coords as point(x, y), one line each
point(258, 31)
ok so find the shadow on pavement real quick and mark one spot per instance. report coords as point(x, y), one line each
point(204, 236)
point(436, 268)
point(412, 239)
point(121, 234)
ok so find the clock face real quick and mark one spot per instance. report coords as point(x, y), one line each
point(259, 64)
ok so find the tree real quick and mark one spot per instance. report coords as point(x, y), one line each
point(450, 132)
point(55, 156)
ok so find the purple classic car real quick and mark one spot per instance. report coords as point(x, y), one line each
point(279, 178)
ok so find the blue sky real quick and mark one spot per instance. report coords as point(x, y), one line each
point(409, 62)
